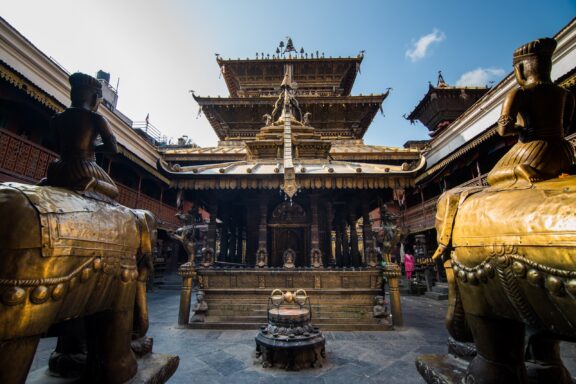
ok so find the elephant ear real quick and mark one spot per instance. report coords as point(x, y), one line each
point(446, 210)
point(147, 223)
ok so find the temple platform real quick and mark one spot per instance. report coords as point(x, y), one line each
point(341, 299)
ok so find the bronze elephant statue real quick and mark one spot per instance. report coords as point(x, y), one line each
point(64, 256)
point(512, 277)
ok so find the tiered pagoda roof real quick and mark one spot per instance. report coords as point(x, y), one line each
point(322, 76)
point(443, 104)
point(334, 117)
point(289, 123)
point(322, 85)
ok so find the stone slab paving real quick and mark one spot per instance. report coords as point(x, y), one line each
point(212, 356)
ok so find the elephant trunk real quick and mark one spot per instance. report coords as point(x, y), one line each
point(455, 320)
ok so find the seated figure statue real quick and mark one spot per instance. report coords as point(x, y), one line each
point(537, 111)
point(289, 257)
point(75, 131)
point(200, 308)
point(380, 310)
point(261, 258)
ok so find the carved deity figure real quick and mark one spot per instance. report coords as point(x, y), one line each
point(75, 131)
point(537, 111)
point(306, 120)
point(200, 308)
point(289, 257)
point(207, 257)
point(267, 119)
point(371, 257)
point(379, 310)
point(261, 259)
point(316, 261)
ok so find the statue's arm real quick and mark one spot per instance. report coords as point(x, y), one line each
point(507, 121)
point(109, 144)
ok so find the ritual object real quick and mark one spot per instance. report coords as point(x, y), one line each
point(289, 340)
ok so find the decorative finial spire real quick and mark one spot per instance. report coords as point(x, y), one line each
point(441, 83)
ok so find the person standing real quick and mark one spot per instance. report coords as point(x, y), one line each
point(409, 263)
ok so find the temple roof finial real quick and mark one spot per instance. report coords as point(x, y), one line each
point(441, 83)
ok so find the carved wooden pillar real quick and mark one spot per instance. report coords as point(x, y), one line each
point(252, 221)
point(213, 209)
point(263, 228)
point(330, 257)
point(338, 256)
point(224, 235)
point(366, 228)
point(314, 230)
point(232, 239)
point(345, 243)
point(239, 238)
point(354, 253)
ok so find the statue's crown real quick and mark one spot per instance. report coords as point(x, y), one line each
point(79, 79)
point(541, 47)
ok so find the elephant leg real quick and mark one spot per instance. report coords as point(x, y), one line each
point(543, 361)
point(500, 347)
point(142, 345)
point(15, 359)
point(110, 358)
point(69, 357)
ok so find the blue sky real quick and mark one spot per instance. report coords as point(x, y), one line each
point(162, 49)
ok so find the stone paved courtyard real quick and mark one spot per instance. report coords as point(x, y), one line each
point(208, 356)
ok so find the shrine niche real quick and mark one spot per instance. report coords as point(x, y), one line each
point(289, 232)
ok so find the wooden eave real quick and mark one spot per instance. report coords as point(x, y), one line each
point(310, 174)
point(306, 73)
point(19, 81)
point(424, 111)
point(331, 116)
point(340, 151)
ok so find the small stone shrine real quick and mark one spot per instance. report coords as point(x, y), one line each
point(289, 340)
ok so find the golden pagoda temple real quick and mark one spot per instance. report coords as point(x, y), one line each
point(290, 187)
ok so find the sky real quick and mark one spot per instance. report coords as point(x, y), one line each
point(157, 51)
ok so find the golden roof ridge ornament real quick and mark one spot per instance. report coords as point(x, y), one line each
point(290, 187)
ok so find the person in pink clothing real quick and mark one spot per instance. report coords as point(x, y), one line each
point(409, 263)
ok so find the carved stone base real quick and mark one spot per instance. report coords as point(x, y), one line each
point(441, 369)
point(153, 368)
point(291, 355)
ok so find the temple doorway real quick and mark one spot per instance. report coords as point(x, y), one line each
point(294, 238)
point(289, 229)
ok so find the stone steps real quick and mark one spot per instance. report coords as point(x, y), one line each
point(246, 308)
point(323, 327)
point(262, 320)
point(439, 292)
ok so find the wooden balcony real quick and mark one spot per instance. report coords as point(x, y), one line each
point(26, 162)
point(165, 214)
point(22, 160)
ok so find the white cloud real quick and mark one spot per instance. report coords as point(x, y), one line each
point(480, 77)
point(419, 49)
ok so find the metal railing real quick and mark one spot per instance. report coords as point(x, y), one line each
point(152, 134)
